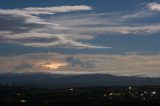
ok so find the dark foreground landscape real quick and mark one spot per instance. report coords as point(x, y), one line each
point(90, 96)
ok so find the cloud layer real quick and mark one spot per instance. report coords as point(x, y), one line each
point(27, 26)
point(22, 24)
point(124, 65)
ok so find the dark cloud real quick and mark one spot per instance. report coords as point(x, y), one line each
point(23, 66)
point(16, 24)
point(35, 40)
point(77, 62)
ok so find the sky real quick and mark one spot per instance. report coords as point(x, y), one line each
point(118, 37)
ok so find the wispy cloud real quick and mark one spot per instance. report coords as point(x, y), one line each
point(31, 12)
point(29, 17)
point(69, 43)
point(52, 10)
point(71, 30)
point(154, 6)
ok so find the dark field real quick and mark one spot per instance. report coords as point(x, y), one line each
point(90, 96)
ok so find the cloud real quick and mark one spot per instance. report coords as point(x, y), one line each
point(28, 27)
point(30, 15)
point(52, 10)
point(70, 44)
point(22, 66)
point(131, 21)
point(31, 12)
point(77, 62)
point(16, 24)
point(154, 6)
point(124, 65)
point(49, 40)
point(142, 14)
point(53, 65)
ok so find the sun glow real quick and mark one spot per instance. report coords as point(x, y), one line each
point(54, 65)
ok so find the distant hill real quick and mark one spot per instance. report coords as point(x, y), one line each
point(61, 81)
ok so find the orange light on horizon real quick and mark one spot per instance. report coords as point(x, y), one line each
point(54, 66)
